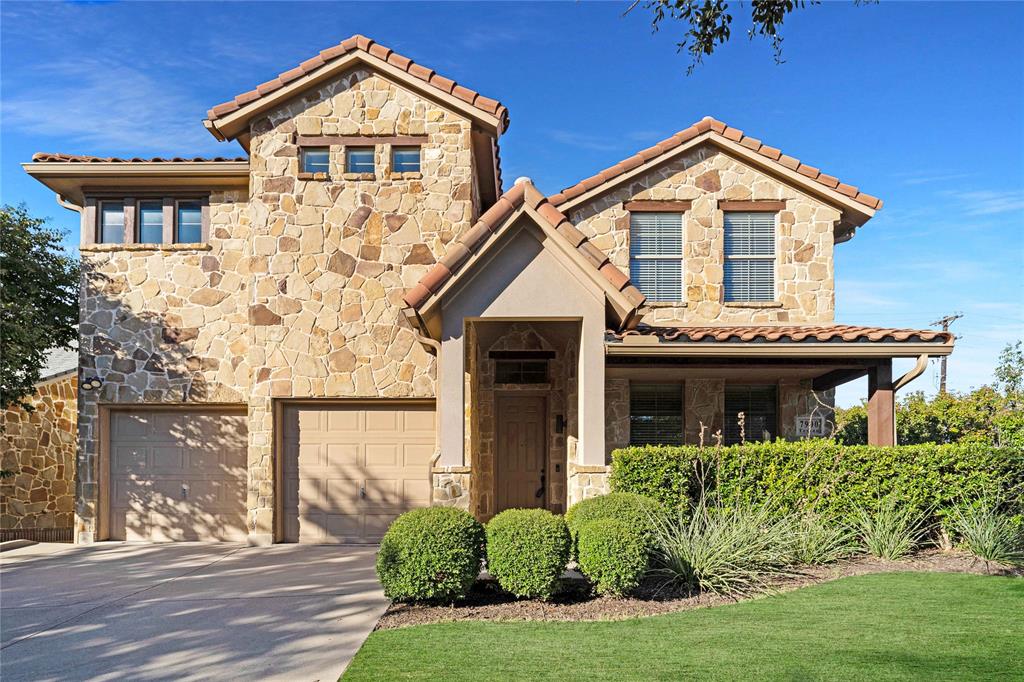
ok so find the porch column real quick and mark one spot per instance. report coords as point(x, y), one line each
point(591, 392)
point(451, 399)
point(881, 408)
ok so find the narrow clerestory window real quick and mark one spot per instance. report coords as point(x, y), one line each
point(316, 160)
point(111, 222)
point(189, 229)
point(151, 222)
point(405, 159)
point(359, 160)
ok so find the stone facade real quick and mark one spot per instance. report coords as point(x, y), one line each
point(805, 284)
point(39, 447)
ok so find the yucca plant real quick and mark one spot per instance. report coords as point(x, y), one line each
point(891, 530)
point(984, 531)
point(735, 550)
point(816, 540)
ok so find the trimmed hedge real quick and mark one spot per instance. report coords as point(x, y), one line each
point(634, 510)
point(431, 554)
point(612, 556)
point(527, 550)
point(827, 477)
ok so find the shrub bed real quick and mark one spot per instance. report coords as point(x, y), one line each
point(635, 511)
point(527, 550)
point(612, 556)
point(432, 554)
point(831, 479)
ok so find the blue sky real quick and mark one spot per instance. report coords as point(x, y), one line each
point(921, 104)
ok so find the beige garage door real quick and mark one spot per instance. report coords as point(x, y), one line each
point(177, 475)
point(350, 470)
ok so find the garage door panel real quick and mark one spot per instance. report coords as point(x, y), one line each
point(178, 475)
point(369, 464)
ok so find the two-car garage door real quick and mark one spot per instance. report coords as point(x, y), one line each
point(347, 470)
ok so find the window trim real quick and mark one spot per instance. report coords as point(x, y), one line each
point(648, 208)
point(774, 257)
point(92, 218)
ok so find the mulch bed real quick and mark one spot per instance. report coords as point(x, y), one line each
point(575, 602)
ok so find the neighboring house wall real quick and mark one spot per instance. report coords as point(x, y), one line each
point(39, 447)
point(804, 276)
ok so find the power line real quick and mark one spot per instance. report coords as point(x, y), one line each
point(944, 323)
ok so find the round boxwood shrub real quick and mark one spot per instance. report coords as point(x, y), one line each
point(527, 550)
point(635, 511)
point(612, 556)
point(430, 554)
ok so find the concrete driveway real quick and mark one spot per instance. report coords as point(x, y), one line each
point(115, 611)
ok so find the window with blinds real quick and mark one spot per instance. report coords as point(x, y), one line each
point(758, 405)
point(656, 255)
point(749, 256)
point(655, 414)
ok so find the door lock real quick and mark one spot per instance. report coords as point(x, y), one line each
point(184, 491)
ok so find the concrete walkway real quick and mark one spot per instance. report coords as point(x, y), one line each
point(184, 611)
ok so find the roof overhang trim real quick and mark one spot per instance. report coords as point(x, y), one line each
point(800, 349)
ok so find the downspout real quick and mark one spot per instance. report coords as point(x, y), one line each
point(64, 203)
point(915, 372)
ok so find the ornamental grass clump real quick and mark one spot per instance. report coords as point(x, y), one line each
point(815, 540)
point(612, 556)
point(984, 531)
point(725, 550)
point(890, 530)
point(432, 554)
point(527, 550)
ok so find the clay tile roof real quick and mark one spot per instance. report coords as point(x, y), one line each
point(44, 157)
point(708, 124)
point(496, 218)
point(835, 333)
point(358, 43)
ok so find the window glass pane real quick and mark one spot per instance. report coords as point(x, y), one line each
point(151, 222)
point(757, 403)
point(749, 234)
point(316, 160)
point(359, 160)
point(658, 279)
point(405, 159)
point(656, 234)
point(111, 223)
point(190, 222)
point(749, 279)
point(655, 414)
point(520, 372)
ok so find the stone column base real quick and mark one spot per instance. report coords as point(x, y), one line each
point(588, 481)
point(451, 487)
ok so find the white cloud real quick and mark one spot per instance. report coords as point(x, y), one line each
point(990, 202)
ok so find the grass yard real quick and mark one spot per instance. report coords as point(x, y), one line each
point(892, 626)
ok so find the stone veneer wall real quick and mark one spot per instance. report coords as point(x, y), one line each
point(39, 447)
point(804, 240)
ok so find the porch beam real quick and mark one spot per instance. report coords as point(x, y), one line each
point(881, 405)
point(837, 377)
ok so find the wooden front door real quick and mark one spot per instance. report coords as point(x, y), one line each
point(521, 452)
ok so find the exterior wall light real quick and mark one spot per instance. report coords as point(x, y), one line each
point(91, 383)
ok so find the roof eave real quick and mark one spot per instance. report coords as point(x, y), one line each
point(874, 349)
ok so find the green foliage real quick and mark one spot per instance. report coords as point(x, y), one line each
point(527, 550)
point(634, 510)
point(836, 480)
point(726, 550)
point(612, 556)
point(816, 541)
point(38, 301)
point(653, 471)
point(890, 530)
point(1009, 373)
point(988, 533)
point(431, 554)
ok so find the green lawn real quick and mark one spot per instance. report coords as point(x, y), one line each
point(893, 626)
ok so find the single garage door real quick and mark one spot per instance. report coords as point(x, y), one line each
point(177, 475)
point(350, 470)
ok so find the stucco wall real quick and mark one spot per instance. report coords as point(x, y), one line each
point(804, 239)
point(39, 448)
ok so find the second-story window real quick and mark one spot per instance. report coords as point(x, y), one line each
point(151, 222)
point(405, 159)
point(749, 257)
point(189, 229)
point(316, 160)
point(111, 222)
point(359, 160)
point(656, 255)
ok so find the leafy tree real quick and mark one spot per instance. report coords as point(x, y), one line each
point(38, 301)
point(1010, 370)
point(709, 22)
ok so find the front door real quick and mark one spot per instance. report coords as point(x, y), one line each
point(521, 452)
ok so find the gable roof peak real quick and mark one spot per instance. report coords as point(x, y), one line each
point(327, 61)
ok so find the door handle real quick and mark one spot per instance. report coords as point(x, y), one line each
point(184, 491)
point(543, 485)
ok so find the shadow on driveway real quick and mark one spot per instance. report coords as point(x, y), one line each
point(186, 611)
